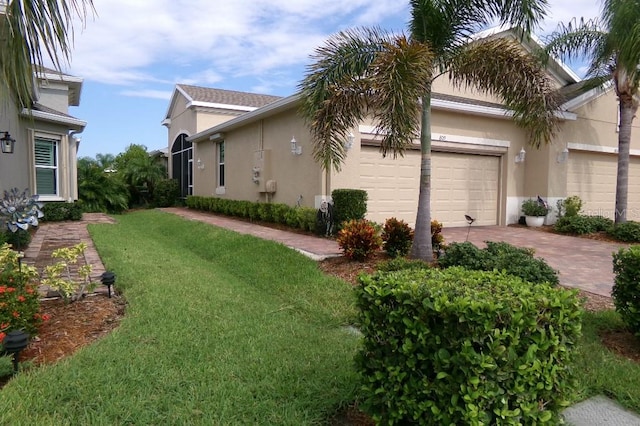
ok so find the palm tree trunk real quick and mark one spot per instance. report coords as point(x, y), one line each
point(627, 112)
point(422, 248)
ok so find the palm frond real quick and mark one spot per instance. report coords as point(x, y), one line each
point(31, 28)
point(502, 68)
point(401, 75)
point(622, 19)
point(333, 90)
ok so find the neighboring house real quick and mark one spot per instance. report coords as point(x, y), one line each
point(482, 163)
point(46, 141)
point(194, 109)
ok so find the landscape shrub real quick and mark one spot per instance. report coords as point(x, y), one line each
point(397, 236)
point(59, 211)
point(279, 212)
point(437, 239)
point(626, 287)
point(445, 347)
point(59, 278)
point(628, 232)
point(582, 224)
point(501, 256)
point(166, 193)
point(359, 239)
point(572, 205)
point(400, 264)
point(19, 298)
point(19, 240)
point(348, 204)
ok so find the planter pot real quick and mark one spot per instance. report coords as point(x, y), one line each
point(534, 221)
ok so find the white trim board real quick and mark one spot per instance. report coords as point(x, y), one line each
point(443, 137)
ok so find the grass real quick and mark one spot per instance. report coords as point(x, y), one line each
point(220, 329)
point(601, 372)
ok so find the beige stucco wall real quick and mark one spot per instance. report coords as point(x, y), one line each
point(295, 175)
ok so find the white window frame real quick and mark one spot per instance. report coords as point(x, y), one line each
point(221, 174)
point(56, 140)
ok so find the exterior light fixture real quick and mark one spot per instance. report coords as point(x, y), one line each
point(109, 279)
point(14, 342)
point(295, 148)
point(348, 143)
point(521, 156)
point(200, 164)
point(7, 143)
point(563, 156)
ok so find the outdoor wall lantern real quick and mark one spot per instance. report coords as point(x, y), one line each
point(563, 156)
point(7, 143)
point(348, 143)
point(109, 279)
point(295, 148)
point(521, 155)
point(200, 164)
point(14, 342)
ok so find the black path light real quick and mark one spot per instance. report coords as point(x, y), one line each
point(14, 342)
point(108, 278)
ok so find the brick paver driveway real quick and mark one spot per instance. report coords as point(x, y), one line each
point(583, 263)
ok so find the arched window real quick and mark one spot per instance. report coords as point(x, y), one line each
point(182, 164)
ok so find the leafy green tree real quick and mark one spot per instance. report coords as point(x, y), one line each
point(100, 190)
point(140, 172)
point(29, 27)
point(611, 45)
point(368, 72)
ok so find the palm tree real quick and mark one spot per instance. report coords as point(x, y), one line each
point(370, 72)
point(611, 45)
point(27, 27)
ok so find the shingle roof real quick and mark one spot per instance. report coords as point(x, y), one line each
point(461, 100)
point(42, 108)
point(227, 97)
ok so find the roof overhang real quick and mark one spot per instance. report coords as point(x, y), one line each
point(74, 83)
point(72, 123)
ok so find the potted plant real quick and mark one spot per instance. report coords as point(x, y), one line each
point(534, 212)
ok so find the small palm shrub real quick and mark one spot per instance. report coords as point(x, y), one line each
point(629, 232)
point(626, 287)
point(359, 239)
point(397, 236)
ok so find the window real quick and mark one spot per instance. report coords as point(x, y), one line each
point(182, 164)
point(221, 164)
point(46, 158)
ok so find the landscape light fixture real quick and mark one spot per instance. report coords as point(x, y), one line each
point(14, 342)
point(7, 143)
point(521, 156)
point(109, 279)
point(295, 148)
point(200, 164)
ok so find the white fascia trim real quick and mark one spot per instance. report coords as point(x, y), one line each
point(60, 77)
point(220, 106)
point(488, 111)
point(166, 122)
point(281, 104)
point(598, 148)
point(442, 137)
point(588, 97)
point(55, 118)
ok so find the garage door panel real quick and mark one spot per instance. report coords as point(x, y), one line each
point(461, 184)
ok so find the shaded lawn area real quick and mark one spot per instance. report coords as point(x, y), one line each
point(220, 328)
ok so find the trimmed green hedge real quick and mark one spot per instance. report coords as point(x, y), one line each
point(626, 287)
point(464, 347)
point(348, 204)
point(303, 218)
point(501, 256)
point(59, 211)
point(582, 224)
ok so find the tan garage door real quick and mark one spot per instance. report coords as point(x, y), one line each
point(592, 177)
point(462, 184)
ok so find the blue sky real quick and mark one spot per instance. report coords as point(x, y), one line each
point(133, 53)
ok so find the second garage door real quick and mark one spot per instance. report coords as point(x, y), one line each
point(461, 184)
point(592, 177)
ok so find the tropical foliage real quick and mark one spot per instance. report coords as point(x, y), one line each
point(100, 190)
point(371, 73)
point(140, 172)
point(611, 45)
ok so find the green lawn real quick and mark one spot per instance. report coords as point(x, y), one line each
point(220, 329)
